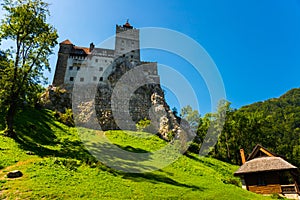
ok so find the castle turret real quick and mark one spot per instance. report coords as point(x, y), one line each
point(65, 48)
point(127, 42)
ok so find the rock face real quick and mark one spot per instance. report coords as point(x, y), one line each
point(131, 93)
point(14, 174)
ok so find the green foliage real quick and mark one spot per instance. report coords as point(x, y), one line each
point(66, 117)
point(24, 24)
point(277, 196)
point(143, 124)
point(275, 124)
point(191, 116)
point(175, 111)
point(232, 181)
point(170, 135)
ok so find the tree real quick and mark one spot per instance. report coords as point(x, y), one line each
point(25, 26)
point(175, 111)
point(191, 116)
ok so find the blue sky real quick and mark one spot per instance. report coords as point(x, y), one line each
point(255, 44)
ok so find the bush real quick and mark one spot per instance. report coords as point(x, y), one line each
point(143, 124)
point(232, 181)
point(276, 196)
point(65, 118)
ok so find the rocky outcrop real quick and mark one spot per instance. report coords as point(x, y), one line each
point(130, 93)
point(56, 98)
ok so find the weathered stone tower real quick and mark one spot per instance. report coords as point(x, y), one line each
point(65, 49)
point(127, 42)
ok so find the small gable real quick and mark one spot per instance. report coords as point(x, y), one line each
point(259, 151)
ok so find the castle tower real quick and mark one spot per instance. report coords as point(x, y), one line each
point(127, 42)
point(65, 48)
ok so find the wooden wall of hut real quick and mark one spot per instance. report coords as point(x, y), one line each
point(263, 183)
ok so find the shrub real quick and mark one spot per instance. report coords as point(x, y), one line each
point(276, 196)
point(142, 124)
point(65, 118)
point(232, 181)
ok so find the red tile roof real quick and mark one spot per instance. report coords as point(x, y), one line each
point(85, 49)
point(66, 42)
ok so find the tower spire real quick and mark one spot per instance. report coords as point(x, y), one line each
point(127, 24)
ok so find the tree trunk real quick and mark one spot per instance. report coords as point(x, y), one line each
point(10, 115)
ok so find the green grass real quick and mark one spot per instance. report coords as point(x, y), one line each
point(63, 169)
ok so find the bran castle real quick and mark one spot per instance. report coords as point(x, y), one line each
point(106, 68)
point(72, 58)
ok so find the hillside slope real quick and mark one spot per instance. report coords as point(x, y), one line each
point(61, 168)
point(277, 124)
point(274, 124)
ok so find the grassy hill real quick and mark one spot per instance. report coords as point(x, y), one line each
point(61, 168)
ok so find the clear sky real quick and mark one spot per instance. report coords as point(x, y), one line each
point(254, 43)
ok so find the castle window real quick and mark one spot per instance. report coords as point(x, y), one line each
point(131, 56)
point(78, 68)
point(101, 79)
point(96, 60)
point(123, 55)
point(95, 78)
point(71, 68)
point(81, 79)
point(105, 60)
point(71, 78)
point(100, 69)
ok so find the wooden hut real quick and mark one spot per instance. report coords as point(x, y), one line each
point(266, 173)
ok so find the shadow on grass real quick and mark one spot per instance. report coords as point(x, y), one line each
point(197, 158)
point(157, 178)
point(34, 134)
point(132, 149)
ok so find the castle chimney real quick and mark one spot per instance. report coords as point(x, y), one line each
point(243, 156)
point(92, 46)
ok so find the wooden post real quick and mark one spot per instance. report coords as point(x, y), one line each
point(243, 156)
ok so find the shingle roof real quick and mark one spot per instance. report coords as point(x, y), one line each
point(264, 164)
